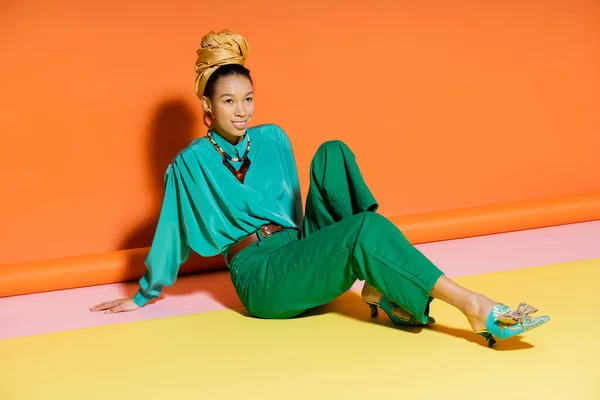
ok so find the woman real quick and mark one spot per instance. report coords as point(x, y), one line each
point(236, 192)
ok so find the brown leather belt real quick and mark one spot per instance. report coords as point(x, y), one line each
point(265, 231)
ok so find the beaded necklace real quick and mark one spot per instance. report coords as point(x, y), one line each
point(227, 159)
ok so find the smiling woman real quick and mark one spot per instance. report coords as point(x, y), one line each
point(228, 101)
point(283, 261)
point(224, 85)
point(228, 104)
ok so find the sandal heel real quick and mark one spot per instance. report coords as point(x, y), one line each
point(374, 309)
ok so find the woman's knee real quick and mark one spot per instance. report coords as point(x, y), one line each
point(333, 146)
point(332, 152)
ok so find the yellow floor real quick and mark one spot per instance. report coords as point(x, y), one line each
point(335, 353)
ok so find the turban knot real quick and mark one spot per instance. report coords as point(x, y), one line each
point(216, 49)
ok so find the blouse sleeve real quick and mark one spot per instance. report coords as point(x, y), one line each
point(170, 248)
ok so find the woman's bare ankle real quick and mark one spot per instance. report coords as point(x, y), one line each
point(477, 310)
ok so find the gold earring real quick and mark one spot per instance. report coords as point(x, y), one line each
point(208, 125)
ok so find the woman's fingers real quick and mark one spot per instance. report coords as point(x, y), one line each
point(116, 306)
point(107, 305)
point(101, 306)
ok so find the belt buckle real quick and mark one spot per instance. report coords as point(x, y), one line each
point(265, 232)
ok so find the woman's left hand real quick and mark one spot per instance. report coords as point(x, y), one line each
point(115, 306)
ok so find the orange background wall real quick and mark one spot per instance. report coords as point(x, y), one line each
point(446, 104)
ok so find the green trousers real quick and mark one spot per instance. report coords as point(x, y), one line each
point(342, 240)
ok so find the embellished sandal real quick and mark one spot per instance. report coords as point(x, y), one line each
point(504, 322)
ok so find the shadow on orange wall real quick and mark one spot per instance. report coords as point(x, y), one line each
point(173, 127)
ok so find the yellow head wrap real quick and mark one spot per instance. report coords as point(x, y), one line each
point(216, 49)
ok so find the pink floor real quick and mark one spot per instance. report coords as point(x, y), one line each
point(68, 309)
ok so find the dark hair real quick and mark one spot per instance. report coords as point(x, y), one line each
point(222, 71)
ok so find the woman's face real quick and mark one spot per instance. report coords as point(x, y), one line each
point(231, 107)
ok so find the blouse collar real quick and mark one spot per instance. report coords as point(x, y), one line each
point(237, 150)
